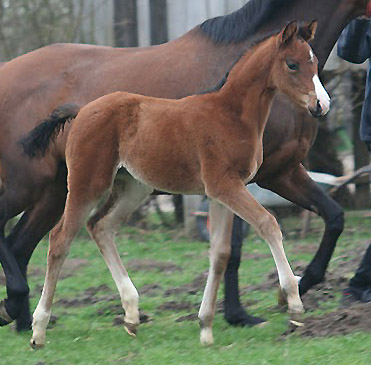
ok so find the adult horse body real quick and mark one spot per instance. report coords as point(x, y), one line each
point(35, 84)
point(205, 144)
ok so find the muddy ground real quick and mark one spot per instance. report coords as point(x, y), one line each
point(338, 322)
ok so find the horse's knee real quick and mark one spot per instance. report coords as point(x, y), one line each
point(58, 243)
point(269, 229)
point(336, 223)
point(19, 290)
point(220, 260)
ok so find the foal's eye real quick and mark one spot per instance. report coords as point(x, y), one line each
point(293, 66)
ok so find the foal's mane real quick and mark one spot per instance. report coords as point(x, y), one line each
point(242, 23)
point(253, 45)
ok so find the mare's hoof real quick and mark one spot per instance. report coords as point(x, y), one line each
point(131, 328)
point(5, 318)
point(35, 345)
point(242, 319)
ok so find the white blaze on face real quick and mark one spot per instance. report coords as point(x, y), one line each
point(311, 55)
point(322, 96)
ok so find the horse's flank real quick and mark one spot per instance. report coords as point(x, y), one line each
point(203, 143)
point(33, 85)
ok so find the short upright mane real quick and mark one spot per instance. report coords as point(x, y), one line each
point(242, 23)
point(256, 43)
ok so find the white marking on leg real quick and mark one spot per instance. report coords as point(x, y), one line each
point(322, 96)
point(40, 322)
point(132, 193)
point(221, 220)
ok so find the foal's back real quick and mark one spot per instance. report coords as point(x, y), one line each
point(148, 135)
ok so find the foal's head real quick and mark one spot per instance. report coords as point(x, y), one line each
point(295, 71)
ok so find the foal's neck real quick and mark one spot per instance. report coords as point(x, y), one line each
point(249, 90)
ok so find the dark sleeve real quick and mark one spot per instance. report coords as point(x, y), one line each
point(354, 44)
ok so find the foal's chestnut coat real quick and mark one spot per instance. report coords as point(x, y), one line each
point(209, 143)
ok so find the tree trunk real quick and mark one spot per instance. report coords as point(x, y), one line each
point(158, 10)
point(125, 23)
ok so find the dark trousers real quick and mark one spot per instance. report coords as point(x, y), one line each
point(362, 278)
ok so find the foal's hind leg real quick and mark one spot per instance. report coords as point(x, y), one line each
point(85, 189)
point(127, 194)
point(219, 255)
point(60, 240)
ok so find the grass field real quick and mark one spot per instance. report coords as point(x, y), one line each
point(162, 263)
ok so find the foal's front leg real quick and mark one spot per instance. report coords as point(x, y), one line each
point(233, 194)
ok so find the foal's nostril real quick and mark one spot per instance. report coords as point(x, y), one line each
point(317, 112)
point(319, 108)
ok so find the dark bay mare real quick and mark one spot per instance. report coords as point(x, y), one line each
point(33, 85)
point(202, 144)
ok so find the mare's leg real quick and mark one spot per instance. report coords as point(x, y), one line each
point(234, 195)
point(32, 227)
point(296, 186)
point(221, 219)
point(234, 312)
point(12, 203)
point(127, 195)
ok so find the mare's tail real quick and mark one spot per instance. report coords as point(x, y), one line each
point(37, 141)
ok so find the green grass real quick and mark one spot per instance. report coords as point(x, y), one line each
point(85, 334)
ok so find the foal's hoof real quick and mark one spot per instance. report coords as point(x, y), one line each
point(131, 328)
point(282, 296)
point(5, 318)
point(206, 337)
point(36, 345)
point(296, 320)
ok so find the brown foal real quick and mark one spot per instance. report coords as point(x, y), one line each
point(210, 143)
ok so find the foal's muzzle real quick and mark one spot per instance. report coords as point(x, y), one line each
point(319, 99)
point(317, 111)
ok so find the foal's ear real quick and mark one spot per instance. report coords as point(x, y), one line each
point(308, 30)
point(288, 33)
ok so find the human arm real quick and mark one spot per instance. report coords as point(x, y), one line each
point(354, 44)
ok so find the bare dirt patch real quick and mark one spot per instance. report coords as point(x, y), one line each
point(147, 265)
point(341, 322)
point(176, 306)
point(90, 296)
point(197, 285)
point(255, 256)
point(69, 268)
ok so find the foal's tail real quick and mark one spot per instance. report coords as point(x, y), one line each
point(37, 141)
